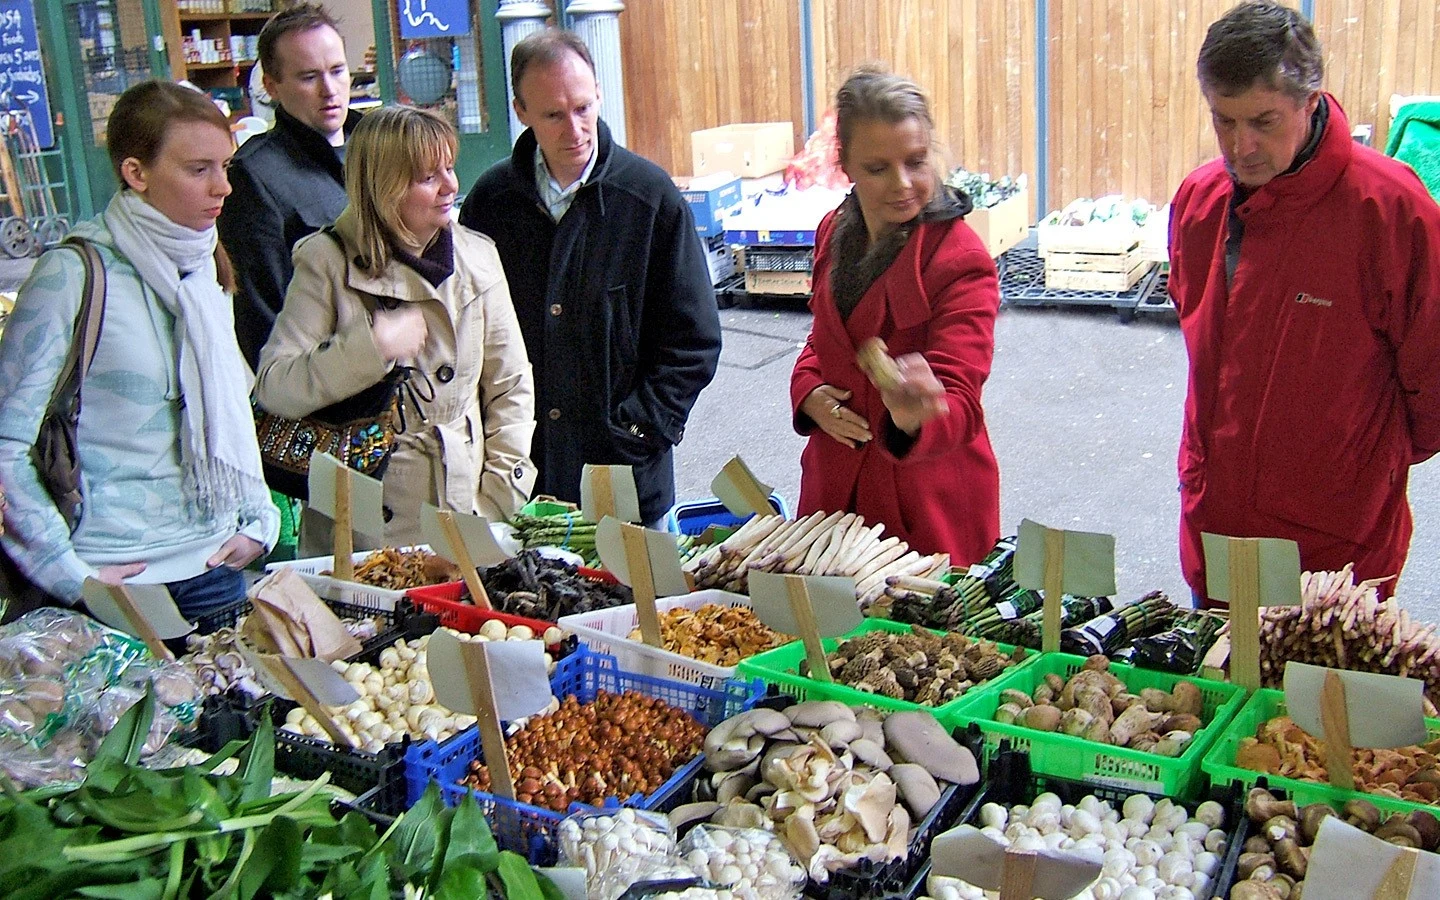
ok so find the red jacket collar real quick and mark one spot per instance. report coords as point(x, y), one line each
point(1314, 179)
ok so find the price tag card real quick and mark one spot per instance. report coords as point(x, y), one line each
point(522, 688)
point(608, 491)
point(150, 608)
point(1089, 561)
point(832, 600)
point(1346, 864)
point(1279, 563)
point(661, 551)
point(366, 495)
point(740, 491)
point(477, 533)
point(966, 853)
point(280, 675)
point(1383, 710)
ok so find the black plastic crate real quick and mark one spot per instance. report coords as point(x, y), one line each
point(229, 617)
point(869, 880)
point(759, 259)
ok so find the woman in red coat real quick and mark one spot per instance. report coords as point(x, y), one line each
point(896, 261)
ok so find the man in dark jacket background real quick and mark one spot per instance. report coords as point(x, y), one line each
point(608, 279)
point(287, 183)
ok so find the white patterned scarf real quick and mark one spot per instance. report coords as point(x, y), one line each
point(217, 443)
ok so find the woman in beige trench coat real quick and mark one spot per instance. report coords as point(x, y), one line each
point(467, 449)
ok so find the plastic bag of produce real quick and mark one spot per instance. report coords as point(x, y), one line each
point(749, 863)
point(617, 845)
point(65, 680)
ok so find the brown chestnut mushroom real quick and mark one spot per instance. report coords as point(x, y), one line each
point(1400, 833)
point(1280, 828)
point(1312, 816)
point(1261, 805)
point(1292, 859)
point(1252, 863)
point(1427, 825)
point(1362, 814)
point(1256, 890)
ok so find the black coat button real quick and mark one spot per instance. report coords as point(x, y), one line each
point(519, 472)
point(445, 374)
point(387, 514)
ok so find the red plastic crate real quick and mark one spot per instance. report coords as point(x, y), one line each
point(444, 601)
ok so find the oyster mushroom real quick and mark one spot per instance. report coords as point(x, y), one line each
point(819, 713)
point(690, 813)
point(871, 805)
point(917, 737)
point(917, 788)
point(840, 734)
point(871, 754)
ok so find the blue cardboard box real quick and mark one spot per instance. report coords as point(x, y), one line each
point(710, 197)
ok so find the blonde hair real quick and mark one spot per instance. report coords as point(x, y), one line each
point(390, 149)
point(871, 93)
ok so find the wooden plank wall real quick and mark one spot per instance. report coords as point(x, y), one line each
point(692, 65)
point(1125, 111)
point(974, 58)
point(1375, 48)
point(1126, 115)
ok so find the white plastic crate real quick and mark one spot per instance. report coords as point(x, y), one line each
point(607, 631)
point(328, 587)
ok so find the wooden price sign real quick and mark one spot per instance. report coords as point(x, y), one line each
point(145, 611)
point(608, 491)
point(741, 492)
point(1346, 864)
point(966, 853)
point(1056, 562)
point(811, 607)
point(354, 502)
point(309, 682)
point(1354, 709)
point(463, 673)
point(1249, 573)
point(470, 542)
point(648, 561)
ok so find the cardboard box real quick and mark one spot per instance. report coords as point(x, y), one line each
point(710, 197)
point(785, 283)
point(1003, 225)
point(748, 150)
point(720, 256)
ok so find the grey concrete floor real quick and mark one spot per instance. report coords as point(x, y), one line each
point(1083, 411)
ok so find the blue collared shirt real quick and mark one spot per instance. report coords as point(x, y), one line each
point(557, 199)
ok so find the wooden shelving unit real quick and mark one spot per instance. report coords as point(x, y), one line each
point(230, 76)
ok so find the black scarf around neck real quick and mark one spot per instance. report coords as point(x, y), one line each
point(436, 263)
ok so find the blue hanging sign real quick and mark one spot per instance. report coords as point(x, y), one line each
point(22, 74)
point(433, 18)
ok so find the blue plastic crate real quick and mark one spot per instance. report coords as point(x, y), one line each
point(694, 516)
point(530, 830)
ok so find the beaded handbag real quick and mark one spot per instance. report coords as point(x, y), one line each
point(359, 431)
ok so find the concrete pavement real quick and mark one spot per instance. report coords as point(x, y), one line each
point(1084, 413)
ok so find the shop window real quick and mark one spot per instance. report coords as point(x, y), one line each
point(443, 74)
point(113, 53)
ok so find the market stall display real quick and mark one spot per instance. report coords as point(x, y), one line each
point(400, 570)
point(715, 633)
point(534, 587)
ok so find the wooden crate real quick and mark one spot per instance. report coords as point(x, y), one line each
point(1114, 236)
point(1095, 272)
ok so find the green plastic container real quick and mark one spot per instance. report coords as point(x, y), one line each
point(548, 508)
point(1052, 753)
point(1265, 705)
point(781, 667)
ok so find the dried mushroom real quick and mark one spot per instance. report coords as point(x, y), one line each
point(917, 666)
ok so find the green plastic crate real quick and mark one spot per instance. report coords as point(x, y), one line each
point(1266, 704)
point(548, 508)
point(781, 667)
point(1052, 753)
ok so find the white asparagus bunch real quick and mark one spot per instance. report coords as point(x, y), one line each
point(1345, 625)
point(817, 544)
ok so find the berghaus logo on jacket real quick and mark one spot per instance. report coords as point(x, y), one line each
point(1312, 300)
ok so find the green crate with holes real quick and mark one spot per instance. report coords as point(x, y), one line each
point(1053, 753)
point(1264, 705)
point(781, 667)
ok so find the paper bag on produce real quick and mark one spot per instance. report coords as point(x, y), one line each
point(288, 619)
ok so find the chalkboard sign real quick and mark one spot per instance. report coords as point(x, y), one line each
point(22, 74)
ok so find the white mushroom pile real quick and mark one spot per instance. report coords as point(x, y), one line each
point(396, 699)
point(1148, 849)
point(838, 784)
point(216, 660)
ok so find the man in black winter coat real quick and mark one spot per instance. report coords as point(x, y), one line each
point(607, 276)
point(287, 183)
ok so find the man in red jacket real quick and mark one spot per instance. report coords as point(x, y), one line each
point(1306, 272)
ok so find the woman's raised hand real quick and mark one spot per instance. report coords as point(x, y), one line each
point(917, 398)
point(826, 406)
point(399, 333)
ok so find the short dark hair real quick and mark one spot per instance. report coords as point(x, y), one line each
point(297, 18)
point(1261, 41)
point(545, 48)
